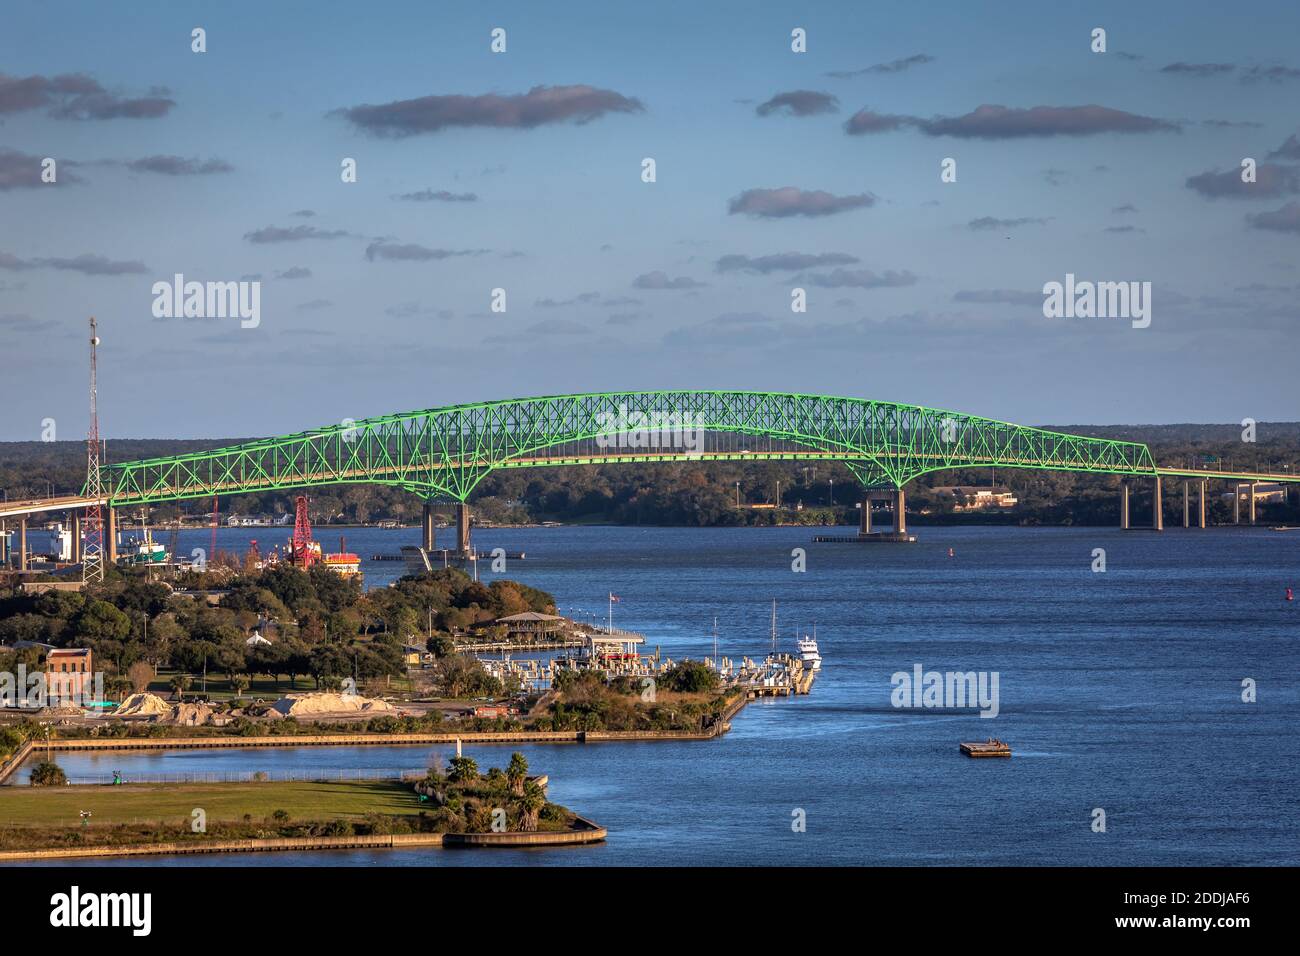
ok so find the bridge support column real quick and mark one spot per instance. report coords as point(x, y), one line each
point(1252, 502)
point(76, 537)
point(462, 529)
point(1236, 504)
point(1187, 504)
point(427, 533)
point(867, 533)
point(110, 536)
point(1123, 506)
point(22, 543)
point(1157, 508)
point(1200, 504)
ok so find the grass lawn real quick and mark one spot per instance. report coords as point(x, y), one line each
point(172, 802)
point(219, 688)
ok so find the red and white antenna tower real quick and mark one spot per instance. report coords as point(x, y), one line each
point(92, 553)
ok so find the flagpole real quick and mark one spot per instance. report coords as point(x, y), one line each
point(611, 612)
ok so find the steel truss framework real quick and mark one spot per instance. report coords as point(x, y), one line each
point(443, 453)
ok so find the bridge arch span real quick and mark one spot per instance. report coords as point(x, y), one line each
point(445, 452)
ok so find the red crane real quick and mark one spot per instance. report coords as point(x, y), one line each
point(301, 551)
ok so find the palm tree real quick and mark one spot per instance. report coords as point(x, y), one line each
point(48, 774)
point(463, 770)
point(531, 804)
point(517, 773)
point(119, 686)
point(180, 684)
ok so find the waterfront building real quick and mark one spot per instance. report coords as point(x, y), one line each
point(68, 672)
point(976, 498)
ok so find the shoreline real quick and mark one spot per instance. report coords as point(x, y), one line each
point(233, 741)
point(585, 833)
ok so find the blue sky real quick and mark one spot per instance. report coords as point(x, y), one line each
point(925, 307)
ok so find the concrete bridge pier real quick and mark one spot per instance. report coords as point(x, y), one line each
point(1236, 503)
point(76, 537)
point(427, 531)
point(1200, 503)
point(1252, 502)
point(1157, 508)
point(1123, 506)
point(1187, 504)
point(462, 529)
point(22, 543)
point(110, 536)
point(866, 534)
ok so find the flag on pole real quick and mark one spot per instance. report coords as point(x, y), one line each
point(613, 598)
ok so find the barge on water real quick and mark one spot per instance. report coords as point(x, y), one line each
point(989, 748)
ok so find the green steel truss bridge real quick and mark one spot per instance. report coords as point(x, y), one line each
point(444, 453)
point(441, 454)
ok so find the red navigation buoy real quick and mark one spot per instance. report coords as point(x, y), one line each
point(950, 554)
point(1289, 595)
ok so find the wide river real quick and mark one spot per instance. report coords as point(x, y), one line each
point(1120, 691)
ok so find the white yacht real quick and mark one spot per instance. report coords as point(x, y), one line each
point(808, 652)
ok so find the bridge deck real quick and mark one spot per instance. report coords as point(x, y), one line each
point(443, 453)
point(11, 509)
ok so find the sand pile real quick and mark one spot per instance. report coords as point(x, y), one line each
point(143, 705)
point(311, 705)
point(63, 710)
point(190, 715)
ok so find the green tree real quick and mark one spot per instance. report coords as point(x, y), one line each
point(530, 805)
point(48, 774)
point(690, 677)
point(101, 621)
point(118, 686)
point(440, 645)
point(517, 773)
point(180, 684)
point(10, 740)
point(462, 770)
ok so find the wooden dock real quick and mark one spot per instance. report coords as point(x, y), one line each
point(987, 748)
point(780, 675)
